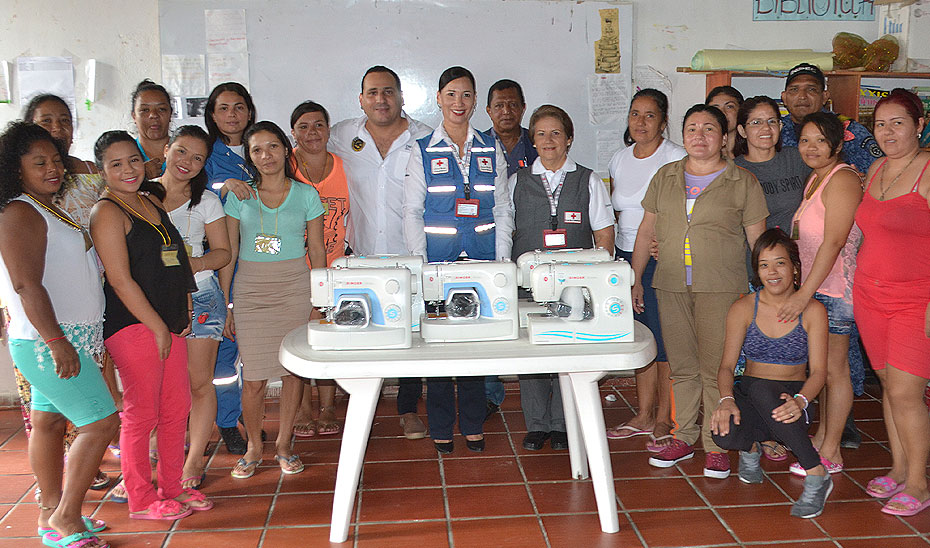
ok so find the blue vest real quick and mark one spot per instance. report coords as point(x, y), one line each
point(224, 164)
point(447, 236)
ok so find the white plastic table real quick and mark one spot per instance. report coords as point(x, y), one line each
point(580, 366)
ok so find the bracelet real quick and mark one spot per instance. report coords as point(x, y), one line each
point(806, 404)
point(54, 339)
point(725, 398)
point(229, 306)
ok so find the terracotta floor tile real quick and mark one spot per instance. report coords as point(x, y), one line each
point(388, 449)
point(869, 455)
point(680, 528)
point(302, 509)
point(921, 521)
point(885, 542)
point(230, 513)
point(584, 530)
point(17, 441)
point(432, 534)
point(858, 519)
point(570, 497)
point(484, 501)
point(117, 518)
point(488, 470)
point(747, 524)
point(496, 445)
point(315, 477)
point(395, 475)
point(402, 505)
point(868, 409)
point(239, 539)
point(552, 467)
point(14, 462)
point(291, 537)
point(641, 494)
point(515, 422)
point(732, 492)
point(635, 444)
point(636, 465)
point(872, 430)
point(15, 487)
point(221, 484)
point(321, 450)
point(133, 540)
point(844, 488)
point(499, 533)
point(5, 509)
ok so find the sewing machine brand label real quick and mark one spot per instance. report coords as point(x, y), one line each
point(573, 217)
point(438, 166)
point(484, 164)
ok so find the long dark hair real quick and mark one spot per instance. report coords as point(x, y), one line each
point(830, 127)
point(715, 112)
point(238, 89)
point(661, 101)
point(15, 142)
point(769, 239)
point(148, 85)
point(199, 182)
point(741, 146)
point(271, 127)
point(110, 138)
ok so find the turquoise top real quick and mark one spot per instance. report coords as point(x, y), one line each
point(302, 204)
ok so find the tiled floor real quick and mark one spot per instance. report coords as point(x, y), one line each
point(505, 497)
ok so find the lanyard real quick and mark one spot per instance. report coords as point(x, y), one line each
point(464, 166)
point(261, 219)
point(165, 237)
point(553, 197)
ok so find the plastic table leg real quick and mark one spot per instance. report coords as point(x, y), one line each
point(576, 451)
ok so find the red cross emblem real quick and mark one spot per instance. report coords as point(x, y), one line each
point(573, 217)
point(439, 165)
point(484, 164)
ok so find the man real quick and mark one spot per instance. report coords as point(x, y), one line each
point(375, 148)
point(805, 92)
point(506, 107)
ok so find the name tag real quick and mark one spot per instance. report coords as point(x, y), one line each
point(169, 255)
point(438, 166)
point(466, 208)
point(573, 217)
point(484, 164)
point(555, 238)
point(267, 243)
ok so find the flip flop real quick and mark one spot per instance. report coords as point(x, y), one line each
point(776, 451)
point(292, 460)
point(197, 485)
point(196, 501)
point(328, 428)
point(114, 450)
point(910, 505)
point(654, 447)
point(92, 525)
point(166, 509)
point(247, 469)
point(118, 494)
point(889, 487)
point(306, 430)
point(77, 540)
point(625, 431)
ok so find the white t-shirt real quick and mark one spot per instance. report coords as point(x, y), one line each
point(191, 223)
point(631, 177)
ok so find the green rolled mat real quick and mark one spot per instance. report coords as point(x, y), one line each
point(767, 59)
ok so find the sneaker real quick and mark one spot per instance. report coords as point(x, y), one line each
point(831, 467)
point(235, 444)
point(413, 427)
point(749, 469)
point(814, 497)
point(674, 452)
point(716, 465)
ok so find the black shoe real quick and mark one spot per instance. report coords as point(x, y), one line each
point(444, 447)
point(851, 438)
point(559, 440)
point(235, 444)
point(534, 440)
point(491, 409)
point(475, 445)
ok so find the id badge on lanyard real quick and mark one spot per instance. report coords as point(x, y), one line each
point(555, 237)
point(267, 243)
point(466, 208)
point(169, 255)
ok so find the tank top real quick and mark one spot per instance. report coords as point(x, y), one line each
point(165, 287)
point(896, 244)
point(789, 349)
point(810, 220)
point(71, 279)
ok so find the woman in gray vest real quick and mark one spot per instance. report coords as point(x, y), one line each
point(557, 204)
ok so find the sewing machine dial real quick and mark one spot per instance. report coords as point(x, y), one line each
point(613, 279)
point(501, 305)
point(392, 313)
point(614, 306)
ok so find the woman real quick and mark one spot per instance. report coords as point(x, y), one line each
point(151, 112)
point(51, 286)
point(542, 196)
point(892, 295)
point(229, 112)
point(631, 169)
point(313, 165)
point(147, 287)
point(828, 239)
point(456, 203)
point(272, 289)
point(81, 189)
point(728, 100)
point(197, 214)
point(705, 204)
point(770, 398)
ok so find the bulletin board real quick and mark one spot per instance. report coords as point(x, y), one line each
point(299, 50)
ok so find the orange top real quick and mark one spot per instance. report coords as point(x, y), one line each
point(334, 193)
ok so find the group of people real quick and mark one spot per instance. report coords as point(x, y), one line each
point(174, 257)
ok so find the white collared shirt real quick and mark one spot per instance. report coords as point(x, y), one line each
point(415, 198)
point(600, 211)
point(376, 184)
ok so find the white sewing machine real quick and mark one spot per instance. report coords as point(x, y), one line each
point(366, 308)
point(480, 300)
point(414, 263)
point(594, 303)
point(526, 262)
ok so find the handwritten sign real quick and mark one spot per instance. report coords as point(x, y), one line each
point(225, 31)
point(813, 10)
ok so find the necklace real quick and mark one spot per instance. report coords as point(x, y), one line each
point(813, 187)
point(307, 168)
point(896, 177)
point(63, 217)
point(165, 237)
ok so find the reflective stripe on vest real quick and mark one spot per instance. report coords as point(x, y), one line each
point(483, 188)
point(484, 228)
point(447, 230)
point(442, 188)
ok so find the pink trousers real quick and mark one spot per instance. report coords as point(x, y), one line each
point(156, 395)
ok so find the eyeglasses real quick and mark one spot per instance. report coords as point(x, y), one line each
point(757, 123)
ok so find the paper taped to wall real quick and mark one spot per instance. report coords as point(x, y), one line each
point(225, 31)
point(184, 75)
point(228, 67)
point(607, 98)
point(46, 75)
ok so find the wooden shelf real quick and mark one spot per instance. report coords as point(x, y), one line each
point(844, 85)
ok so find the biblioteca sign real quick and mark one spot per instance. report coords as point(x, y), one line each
point(813, 10)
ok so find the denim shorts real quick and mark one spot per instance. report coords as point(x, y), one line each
point(209, 310)
point(839, 313)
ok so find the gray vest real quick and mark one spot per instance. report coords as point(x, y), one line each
point(532, 217)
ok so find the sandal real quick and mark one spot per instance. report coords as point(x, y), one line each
point(244, 469)
point(77, 540)
point(166, 509)
point(196, 501)
point(194, 482)
point(305, 430)
point(774, 451)
point(905, 505)
point(290, 465)
point(101, 481)
point(625, 431)
point(114, 450)
point(118, 494)
point(328, 427)
point(92, 525)
point(653, 446)
point(883, 487)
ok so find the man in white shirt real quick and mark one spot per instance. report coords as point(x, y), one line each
point(375, 149)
